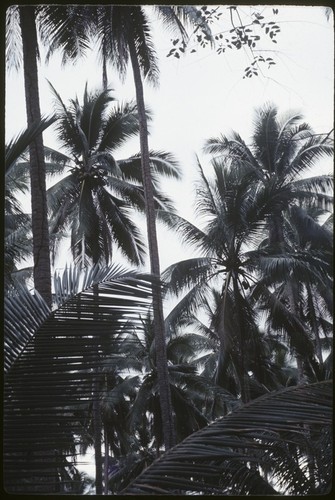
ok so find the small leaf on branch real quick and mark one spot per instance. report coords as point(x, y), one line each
point(171, 52)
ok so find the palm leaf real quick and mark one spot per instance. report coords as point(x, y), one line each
point(308, 155)
point(183, 274)
point(50, 376)
point(14, 54)
point(94, 109)
point(139, 29)
point(19, 328)
point(282, 319)
point(65, 28)
point(161, 162)
point(120, 125)
point(188, 232)
point(265, 135)
point(20, 143)
point(268, 446)
point(125, 233)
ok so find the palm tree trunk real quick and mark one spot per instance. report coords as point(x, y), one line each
point(106, 462)
point(241, 339)
point(40, 230)
point(314, 325)
point(276, 237)
point(97, 421)
point(159, 328)
point(104, 73)
point(276, 232)
point(293, 308)
point(97, 435)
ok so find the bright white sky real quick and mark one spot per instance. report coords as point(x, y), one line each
point(204, 94)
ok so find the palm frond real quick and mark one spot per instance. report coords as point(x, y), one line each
point(161, 162)
point(61, 358)
point(265, 447)
point(94, 110)
point(65, 28)
point(308, 155)
point(188, 232)
point(307, 266)
point(320, 184)
point(13, 38)
point(139, 29)
point(309, 230)
point(265, 136)
point(18, 245)
point(20, 328)
point(187, 306)
point(57, 159)
point(171, 19)
point(287, 322)
point(126, 234)
point(20, 143)
point(186, 273)
point(120, 125)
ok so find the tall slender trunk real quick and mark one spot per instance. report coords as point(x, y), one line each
point(314, 325)
point(241, 339)
point(97, 420)
point(104, 73)
point(276, 231)
point(276, 237)
point(97, 424)
point(106, 461)
point(159, 327)
point(40, 230)
point(293, 308)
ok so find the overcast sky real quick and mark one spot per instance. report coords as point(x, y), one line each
point(204, 94)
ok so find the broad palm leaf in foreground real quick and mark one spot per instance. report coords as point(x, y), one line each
point(52, 360)
point(279, 443)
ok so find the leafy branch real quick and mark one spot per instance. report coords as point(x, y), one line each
point(240, 35)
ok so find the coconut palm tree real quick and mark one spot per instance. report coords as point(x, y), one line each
point(94, 198)
point(18, 243)
point(282, 152)
point(310, 325)
point(136, 354)
point(234, 222)
point(236, 257)
point(130, 407)
point(128, 37)
point(22, 21)
point(267, 358)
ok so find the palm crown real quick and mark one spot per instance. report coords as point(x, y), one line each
point(95, 196)
point(282, 151)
